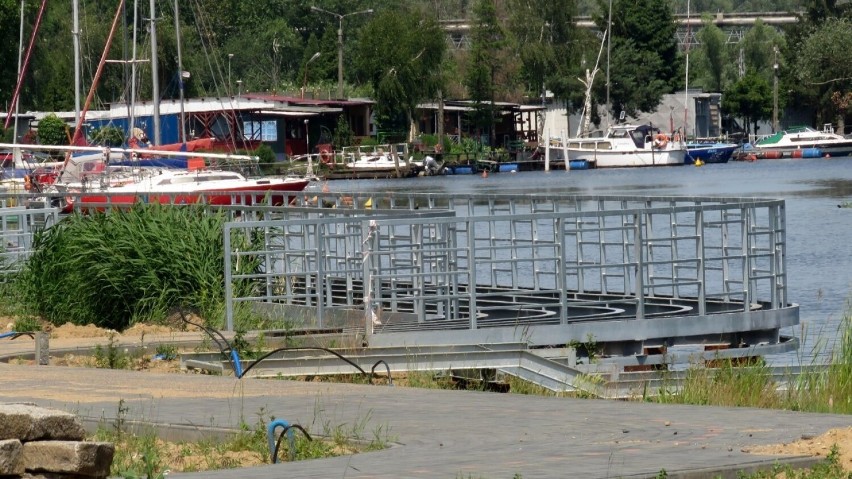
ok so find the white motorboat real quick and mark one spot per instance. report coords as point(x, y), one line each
point(623, 145)
point(806, 138)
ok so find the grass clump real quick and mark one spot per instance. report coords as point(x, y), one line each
point(117, 268)
point(828, 469)
point(827, 389)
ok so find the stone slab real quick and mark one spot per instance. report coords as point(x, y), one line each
point(33, 423)
point(10, 458)
point(92, 459)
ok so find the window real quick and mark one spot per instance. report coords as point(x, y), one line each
point(266, 130)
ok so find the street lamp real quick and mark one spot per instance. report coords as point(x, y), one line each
point(230, 56)
point(305, 80)
point(239, 88)
point(340, 43)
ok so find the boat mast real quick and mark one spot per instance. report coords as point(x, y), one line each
point(608, 50)
point(155, 89)
point(686, 85)
point(180, 75)
point(132, 115)
point(78, 130)
point(16, 153)
point(75, 33)
point(25, 64)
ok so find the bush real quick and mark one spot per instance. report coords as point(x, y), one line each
point(115, 269)
point(52, 131)
point(108, 136)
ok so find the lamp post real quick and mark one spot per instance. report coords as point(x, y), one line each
point(305, 79)
point(340, 43)
point(230, 57)
point(775, 92)
point(239, 88)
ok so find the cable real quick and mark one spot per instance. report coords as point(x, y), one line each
point(274, 457)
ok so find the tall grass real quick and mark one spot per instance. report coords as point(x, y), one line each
point(114, 269)
point(827, 389)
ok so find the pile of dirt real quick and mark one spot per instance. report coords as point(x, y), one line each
point(818, 446)
point(69, 330)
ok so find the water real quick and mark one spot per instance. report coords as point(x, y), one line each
point(819, 234)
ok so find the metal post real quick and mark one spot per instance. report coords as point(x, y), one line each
point(76, 34)
point(180, 76)
point(775, 92)
point(17, 152)
point(230, 57)
point(340, 60)
point(640, 266)
point(155, 75)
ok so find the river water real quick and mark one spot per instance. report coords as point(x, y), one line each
point(819, 234)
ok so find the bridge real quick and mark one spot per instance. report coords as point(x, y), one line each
point(735, 25)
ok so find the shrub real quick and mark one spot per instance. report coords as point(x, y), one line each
point(112, 270)
point(108, 136)
point(52, 131)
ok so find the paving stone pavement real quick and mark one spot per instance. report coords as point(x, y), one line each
point(435, 433)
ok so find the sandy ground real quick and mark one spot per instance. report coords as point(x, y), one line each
point(806, 446)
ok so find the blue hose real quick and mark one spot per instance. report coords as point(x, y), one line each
point(238, 366)
point(270, 435)
point(6, 335)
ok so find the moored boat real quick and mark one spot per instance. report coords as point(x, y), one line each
point(623, 145)
point(709, 152)
point(805, 137)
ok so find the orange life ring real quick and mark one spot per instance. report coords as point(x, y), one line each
point(661, 140)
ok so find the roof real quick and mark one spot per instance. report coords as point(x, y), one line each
point(306, 101)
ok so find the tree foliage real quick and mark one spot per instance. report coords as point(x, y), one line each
point(824, 68)
point(712, 56)
point(400, 53)
point(487, 39)
point(52, 131)
point(749, 98)
point(644, 61)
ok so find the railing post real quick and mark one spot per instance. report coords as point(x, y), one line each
point(701, 275)
point(229, 287)
point(639, 252)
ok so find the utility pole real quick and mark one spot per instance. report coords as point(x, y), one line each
point(775, 91)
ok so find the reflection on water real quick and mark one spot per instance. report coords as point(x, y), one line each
point(819, 234)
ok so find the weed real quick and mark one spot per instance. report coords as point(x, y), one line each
point(112, 356)
point(167, 352)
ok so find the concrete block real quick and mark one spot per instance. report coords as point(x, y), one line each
point(32, 423)
point(10, 458)
point(91, 459)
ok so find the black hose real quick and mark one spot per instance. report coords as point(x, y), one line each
point(274, 457)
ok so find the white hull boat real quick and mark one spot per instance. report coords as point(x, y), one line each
point(623, 146)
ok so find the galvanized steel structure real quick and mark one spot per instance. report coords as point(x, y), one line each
point(636, 280)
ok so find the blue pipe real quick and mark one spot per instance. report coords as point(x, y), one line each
point(238, 366)
point(6, 335)
point(270, 436)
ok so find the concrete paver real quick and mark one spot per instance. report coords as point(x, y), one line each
point(444, 434)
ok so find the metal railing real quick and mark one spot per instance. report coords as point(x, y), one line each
point(470, 262)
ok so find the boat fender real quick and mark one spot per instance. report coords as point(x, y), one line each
point(661, 140)
point(28, 183)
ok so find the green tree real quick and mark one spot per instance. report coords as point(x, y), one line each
point(400, 52)
point(749, 98)
point(108, 136)
point(758, 47)
point(712, 55)
point(823, 68)
point(487, 39)
point(52, 131)
point(550, 46)
point(643, 42)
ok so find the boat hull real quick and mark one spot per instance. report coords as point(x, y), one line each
point(710, 153)
point(599, 158)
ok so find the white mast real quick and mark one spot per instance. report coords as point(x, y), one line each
point(608, 49)
point(686, 85)
point(76, 34)
point(16, 152)
point(155, 88)
point(132, 117)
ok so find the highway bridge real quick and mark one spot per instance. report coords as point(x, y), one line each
point(735, 25)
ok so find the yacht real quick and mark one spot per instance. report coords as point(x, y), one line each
point(805, 137)
point(623, 145)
